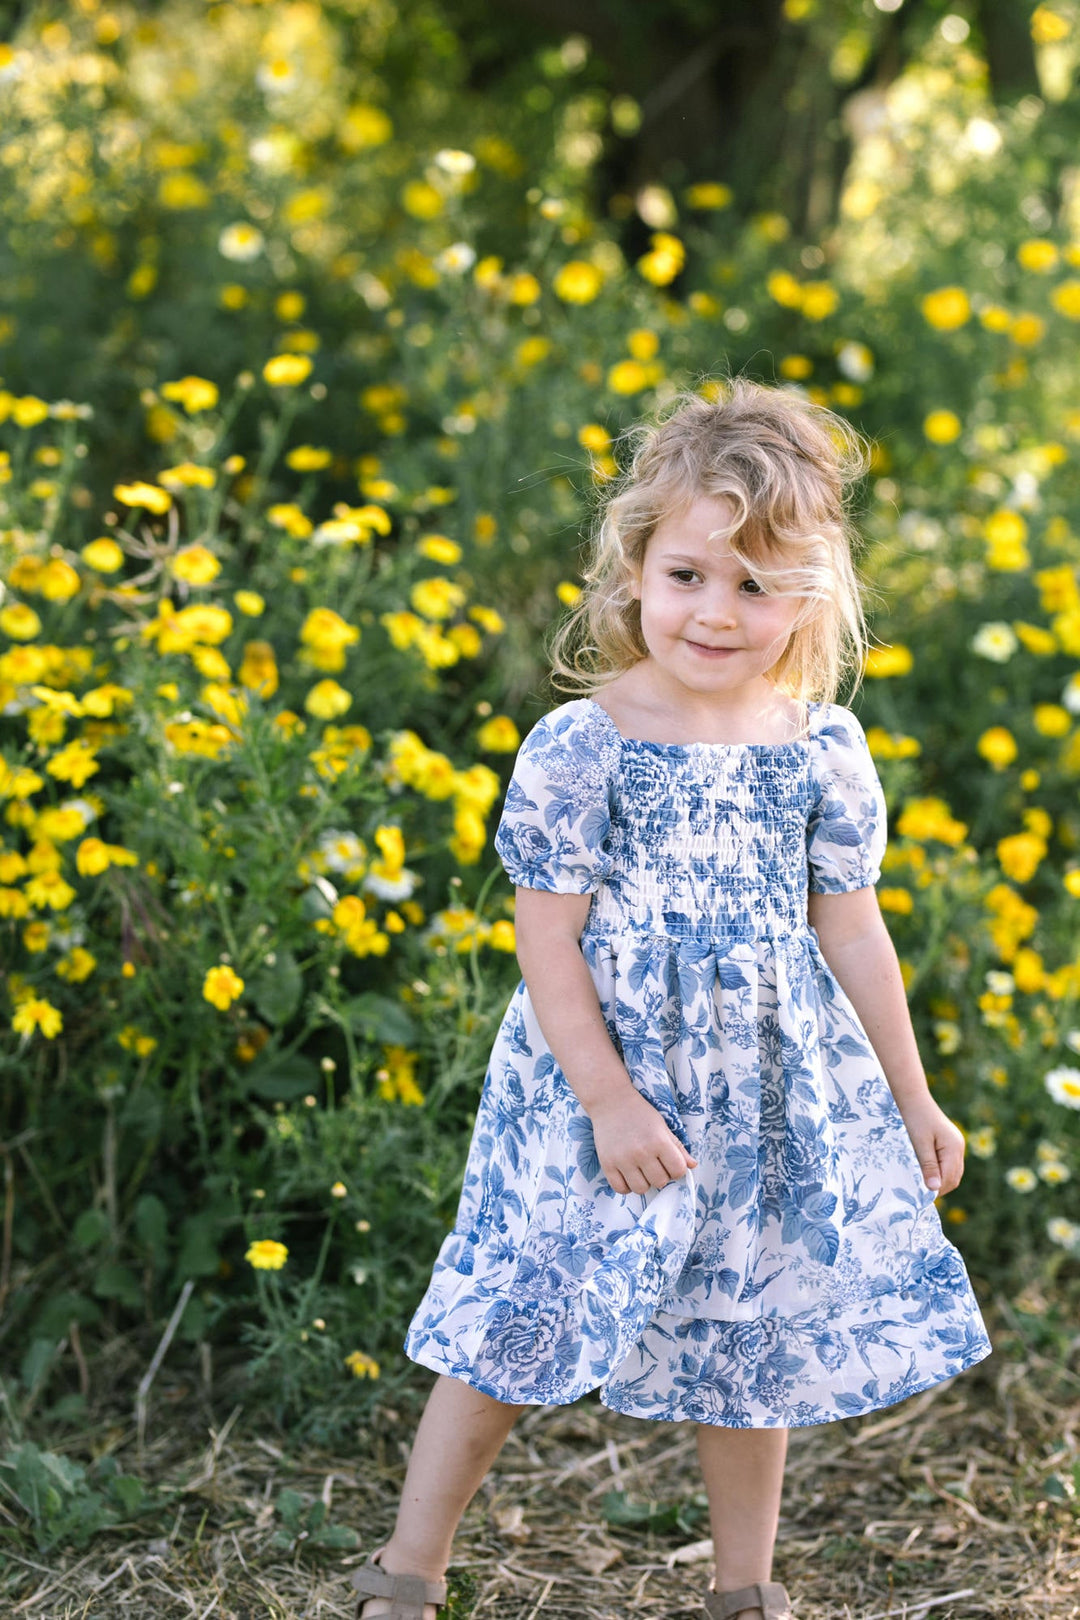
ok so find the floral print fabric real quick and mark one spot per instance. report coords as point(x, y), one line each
point(801, 1273)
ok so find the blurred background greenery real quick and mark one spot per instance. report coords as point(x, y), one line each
point(318, 327)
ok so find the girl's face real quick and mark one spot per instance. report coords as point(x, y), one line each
point(710, 628)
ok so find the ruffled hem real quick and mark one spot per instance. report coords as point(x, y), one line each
point(790, 1373)
point(553, 1350)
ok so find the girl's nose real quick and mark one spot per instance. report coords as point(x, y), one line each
point(716, 609)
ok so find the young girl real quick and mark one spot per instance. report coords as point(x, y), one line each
point(705, 1162)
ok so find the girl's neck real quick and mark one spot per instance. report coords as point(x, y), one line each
point(640, 711)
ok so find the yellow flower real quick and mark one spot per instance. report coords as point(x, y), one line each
point(1052, 720)
point(662, 264)
point(287, 370)
point(364, 125)
point(20, 622)
point(193, 393)
point(1035, 638)
point(1020, 855)
point(488, 620)
point(308, 458)
point(104, 556)
point(58, 581)
point(258, 671)
point(196, 565)
point(531, 350)
point(77, 965)
point(421, 200)
point(92, 857)
point(1066, 299)
point(221, 987)
point(362, 1366)
point(577, 282)
point(899, 900)
point(74, 763)
point(930, 818)
point(1048, 26)
point(819, 300)
point(1006, 532)
point(288, 516)
point(188, 475)
point(267, 1255)
point(1027, 329)
point(37, 1013)
point(783, 289)
point(947, 308)
point(995, 318)
point(942, 427)
point(892, 660)
point(49, 889)
point(627, 377)
point(643, 344)
point(998, 745)
point(250, 603)
point(152, 496)
point(709, 194)
point(499, 735)
point(1037, 254)
point(436, 598)
point(28, 411)
point(326, 700)
point(594, 437)
point(523, 288)
point(439, 548)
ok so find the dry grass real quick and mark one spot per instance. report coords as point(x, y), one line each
point(936, 1508)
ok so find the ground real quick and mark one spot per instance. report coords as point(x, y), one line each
point(956, 1504)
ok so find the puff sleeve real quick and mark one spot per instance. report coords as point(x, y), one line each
point(556, 819)
point(846, 832)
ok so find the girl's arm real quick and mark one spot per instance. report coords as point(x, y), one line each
point(635, 1147)
point(858, 948)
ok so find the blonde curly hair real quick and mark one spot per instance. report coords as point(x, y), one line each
point(786, 464)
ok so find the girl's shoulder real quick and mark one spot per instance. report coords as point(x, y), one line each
point(832, 725)
point(578, 732)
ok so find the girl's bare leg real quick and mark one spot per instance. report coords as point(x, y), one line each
point(457, 1440)
point(744, 1476)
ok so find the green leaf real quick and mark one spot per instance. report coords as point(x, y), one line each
point(152, 1225)
point(380, 1018)
point(276, 990)
point(114, 1281)
point(199, 1256)
point(290, 1504)
point(338, 1536)
point(128, 1490)
point(283, 1078)
point(91, 1228)
point(37, 1361)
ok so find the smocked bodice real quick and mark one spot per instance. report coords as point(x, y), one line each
point(692, 840)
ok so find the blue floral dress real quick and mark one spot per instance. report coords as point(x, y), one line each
point(800, 1274)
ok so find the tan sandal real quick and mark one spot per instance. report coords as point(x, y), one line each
point(407, 1593)
point(769, 1596)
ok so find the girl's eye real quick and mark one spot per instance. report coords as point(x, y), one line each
point(686, 576)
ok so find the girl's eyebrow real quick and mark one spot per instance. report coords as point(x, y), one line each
point(695, 562)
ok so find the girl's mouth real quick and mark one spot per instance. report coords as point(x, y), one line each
point(710, 652)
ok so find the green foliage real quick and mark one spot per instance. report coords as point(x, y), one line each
point(678, 1518)
point(255, 941)
point(61, 1503)
point(306, 1524)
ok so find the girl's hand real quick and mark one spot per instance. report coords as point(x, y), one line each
point(938, 1143)
point(634, 1145)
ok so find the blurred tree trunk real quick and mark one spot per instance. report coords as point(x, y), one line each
point(734, 91)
